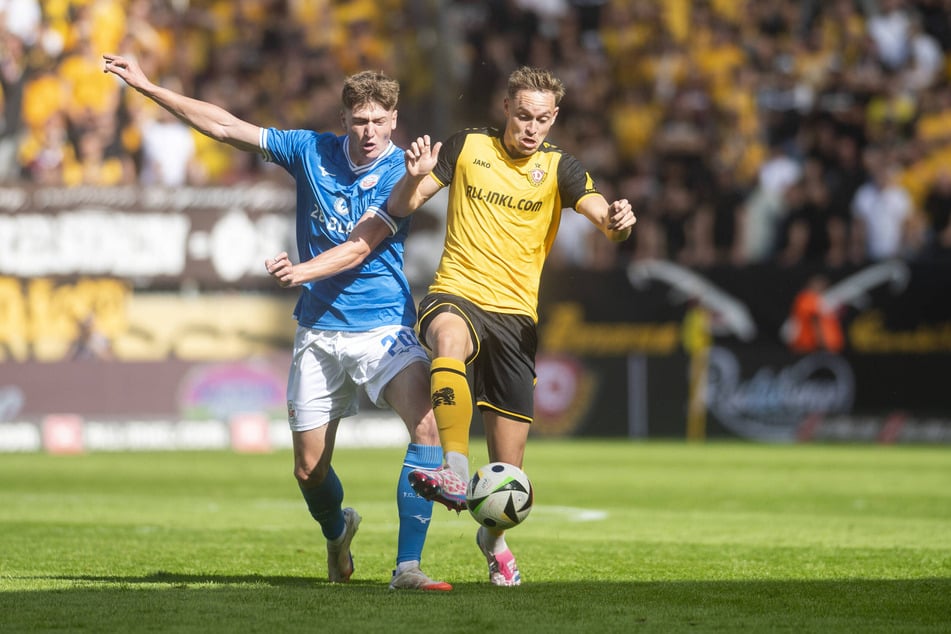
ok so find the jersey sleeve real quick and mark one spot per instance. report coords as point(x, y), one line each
point(285, 147)
point(380, 202)
point(574, 182)
point(448, 155)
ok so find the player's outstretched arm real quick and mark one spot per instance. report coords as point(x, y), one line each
point(366, 235)
point(414, 188)
point(207, 118)
point(615, 220)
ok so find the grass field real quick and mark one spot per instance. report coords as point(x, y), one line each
point(625, 537)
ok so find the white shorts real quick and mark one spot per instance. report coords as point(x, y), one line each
point(329, 365)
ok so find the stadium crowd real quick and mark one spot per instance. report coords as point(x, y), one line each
point(743, 131)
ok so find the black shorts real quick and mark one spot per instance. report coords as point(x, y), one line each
point(501, 369)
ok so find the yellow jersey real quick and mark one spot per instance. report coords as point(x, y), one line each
point(503, 215)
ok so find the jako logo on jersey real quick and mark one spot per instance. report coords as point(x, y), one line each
point(369, 181)
point(482, 163)
point(445, 396)
point(537, 176)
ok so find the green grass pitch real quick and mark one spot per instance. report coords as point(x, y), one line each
point(624, 537)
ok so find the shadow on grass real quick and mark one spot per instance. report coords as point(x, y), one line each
point(178, 579)
point(171, 602)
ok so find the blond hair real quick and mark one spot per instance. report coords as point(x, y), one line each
point(370, 86)
point(535, 79)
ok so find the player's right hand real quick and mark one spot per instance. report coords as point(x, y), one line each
point(421, 156)
point(127, 69)
point(281, 269)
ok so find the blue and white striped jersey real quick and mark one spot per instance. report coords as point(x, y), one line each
point(332, 195)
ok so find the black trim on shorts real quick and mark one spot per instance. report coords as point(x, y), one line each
point(437, 303)
point(483, 405)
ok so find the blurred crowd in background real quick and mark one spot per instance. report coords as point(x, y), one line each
point(743, 131)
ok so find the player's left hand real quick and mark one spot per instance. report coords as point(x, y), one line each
point(621, 215)
point(421, 156)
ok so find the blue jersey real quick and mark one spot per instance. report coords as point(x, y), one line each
point(332, 195)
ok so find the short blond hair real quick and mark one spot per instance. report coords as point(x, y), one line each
point(535, 79)
point(370, 86)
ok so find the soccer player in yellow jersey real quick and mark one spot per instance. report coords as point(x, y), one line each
point(479, 319)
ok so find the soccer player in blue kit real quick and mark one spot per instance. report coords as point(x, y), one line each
point(355, 313)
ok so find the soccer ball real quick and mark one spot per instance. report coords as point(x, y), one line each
point(499, 495)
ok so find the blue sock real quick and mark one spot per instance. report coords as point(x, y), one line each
point(323, 502)
point(415, 512)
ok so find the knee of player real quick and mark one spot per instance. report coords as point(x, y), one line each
point(309, 474)
point(449, 337)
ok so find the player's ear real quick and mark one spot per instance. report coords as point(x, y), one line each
point(393, 119)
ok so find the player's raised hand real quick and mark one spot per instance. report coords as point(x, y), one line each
point(421, 156)
point(621, 215)
point(127, 69)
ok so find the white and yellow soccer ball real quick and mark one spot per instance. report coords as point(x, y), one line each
point(499, 495)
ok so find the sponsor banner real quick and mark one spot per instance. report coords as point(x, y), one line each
point(93, 405)
point(18, 437)
point(764, 395)
point(655, 350)
point(896, 427)
point(170, 389)
point(888, 308)
point(154, 435)
point(98, 319)
point(63, 433)
point(71, 434)
point(660, 350)
point(250, 433)
point(156, 237)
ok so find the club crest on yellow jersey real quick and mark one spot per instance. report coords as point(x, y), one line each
point(537, 175)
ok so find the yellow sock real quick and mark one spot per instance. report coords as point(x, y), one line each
point(452, 403)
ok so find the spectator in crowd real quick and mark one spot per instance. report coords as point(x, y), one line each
point(810, 227)
point(937, 208)
point(882, 210)
point(766, 206)
point(813, 324)
point(13, 76)
point(168, 149)
point(925, 60)
point(889, 26)
point(844, 174)
point(91, 160)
